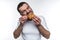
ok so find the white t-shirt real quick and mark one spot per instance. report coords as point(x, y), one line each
point(30, 31)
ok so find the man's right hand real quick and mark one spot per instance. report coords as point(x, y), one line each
point(23, 19)
point(17, 32)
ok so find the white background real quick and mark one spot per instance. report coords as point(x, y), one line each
point(9, 16)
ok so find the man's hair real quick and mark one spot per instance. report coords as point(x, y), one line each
point(19, 5)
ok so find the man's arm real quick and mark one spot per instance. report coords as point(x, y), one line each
point(17, 32)
point(43, 31)
point(40, 27)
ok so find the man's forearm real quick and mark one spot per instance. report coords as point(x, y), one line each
point(43, 31)
point(18, 31)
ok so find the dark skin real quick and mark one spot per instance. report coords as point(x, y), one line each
point(26, 9)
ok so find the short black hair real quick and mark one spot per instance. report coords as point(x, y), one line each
point(19, 5)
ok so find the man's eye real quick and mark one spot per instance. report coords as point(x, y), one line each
point(27, 7)
point(24, 11)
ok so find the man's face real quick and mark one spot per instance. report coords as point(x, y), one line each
point(25, 9)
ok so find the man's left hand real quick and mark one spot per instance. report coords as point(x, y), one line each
point(37, 20)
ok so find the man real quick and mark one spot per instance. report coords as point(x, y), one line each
point(31, 29)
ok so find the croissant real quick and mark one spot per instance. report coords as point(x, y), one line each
point(30, 16)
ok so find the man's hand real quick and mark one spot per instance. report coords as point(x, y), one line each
point(37, 21)
point(23, 19)
point(41, 29)
point(17, 32)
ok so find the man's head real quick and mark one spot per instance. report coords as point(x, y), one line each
point(24, 9)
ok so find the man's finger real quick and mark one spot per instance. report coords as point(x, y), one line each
point(36, 19)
